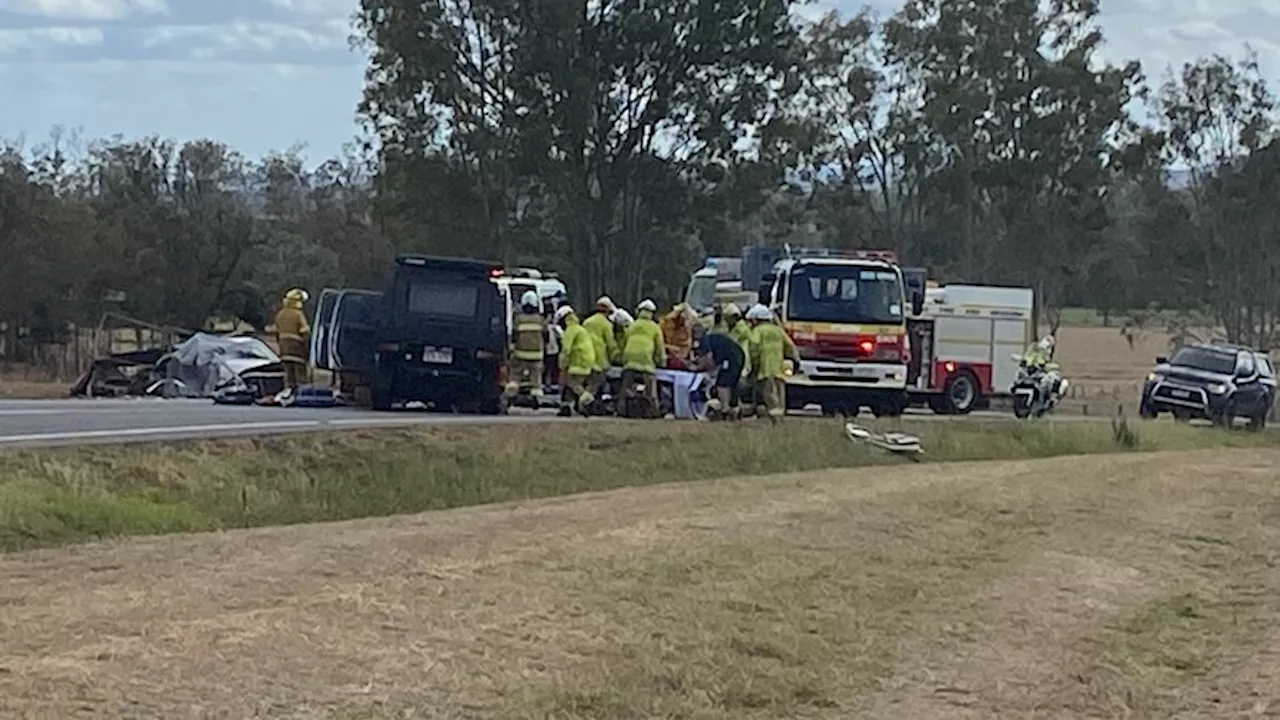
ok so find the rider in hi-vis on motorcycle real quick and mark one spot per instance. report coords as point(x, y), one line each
point(1040, 353)
point(1037, 359)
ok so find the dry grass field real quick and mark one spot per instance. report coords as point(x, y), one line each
point(26, 383)
point(1134, 586)
point(1103, 367)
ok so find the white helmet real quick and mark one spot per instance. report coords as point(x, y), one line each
point(530, 299)
point(564, 312)
point(606, 303)
point(1046, 343)
point(621, 318)
point(647, 305)
point(759, 312)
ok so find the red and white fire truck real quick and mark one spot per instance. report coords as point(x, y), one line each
point(846, 311)
point(962, 341)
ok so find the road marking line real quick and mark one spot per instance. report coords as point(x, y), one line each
point(379, 421)
point(74, 410)
point(157, 431)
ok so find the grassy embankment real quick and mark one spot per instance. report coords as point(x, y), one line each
point(53, 497)
point(1135, 585)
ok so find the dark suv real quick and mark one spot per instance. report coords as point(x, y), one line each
point(436, 335)
point(1211, 382)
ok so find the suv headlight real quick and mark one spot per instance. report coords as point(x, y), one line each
point(1218, 389)
point(1152, 377)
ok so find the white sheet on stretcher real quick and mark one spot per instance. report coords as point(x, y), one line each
point(687, 390)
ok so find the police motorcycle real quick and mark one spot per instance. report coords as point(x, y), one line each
point(1037, 389)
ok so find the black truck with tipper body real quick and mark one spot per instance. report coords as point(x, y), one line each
point(437, 334)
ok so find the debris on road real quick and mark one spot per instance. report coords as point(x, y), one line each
point(892, 441)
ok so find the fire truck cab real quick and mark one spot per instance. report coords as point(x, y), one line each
point(846, 312)
point(962, 339)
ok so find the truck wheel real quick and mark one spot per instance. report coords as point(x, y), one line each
point(961, 393)
point(889, 408)
point(382, 390)
point(493, 406)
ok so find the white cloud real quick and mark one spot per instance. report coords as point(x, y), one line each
point(317, 8)
point(85, 9)
point(37, 39)
point(215, 40)
point(1198, 31)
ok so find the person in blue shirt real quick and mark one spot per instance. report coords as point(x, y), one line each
point(723, 355)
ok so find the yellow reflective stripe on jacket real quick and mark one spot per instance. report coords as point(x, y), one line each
point(529, 341)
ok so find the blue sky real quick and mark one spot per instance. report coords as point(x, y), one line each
point(263, 75)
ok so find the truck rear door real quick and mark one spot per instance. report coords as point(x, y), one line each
point(344, 337)
point(321, 328)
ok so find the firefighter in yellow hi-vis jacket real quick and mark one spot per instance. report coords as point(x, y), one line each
point(292, 334)
point(528, 347)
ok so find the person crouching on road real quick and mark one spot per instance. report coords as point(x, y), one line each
point(642, 353)
point(528, 348)
point(577, 362)
point(719, 353)
point(292, 333)
point(770, 348)
point(600, 326)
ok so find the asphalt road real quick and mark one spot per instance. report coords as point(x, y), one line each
point(47, 423)
point(44, 423)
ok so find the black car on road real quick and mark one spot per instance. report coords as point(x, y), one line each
point(1211, 382)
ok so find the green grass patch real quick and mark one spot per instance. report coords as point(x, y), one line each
point(53, 497)
point(1166, 642)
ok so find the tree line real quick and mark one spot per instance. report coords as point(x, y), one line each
point(620, 143)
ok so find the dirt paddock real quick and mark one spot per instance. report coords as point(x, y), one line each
point(1102, 586)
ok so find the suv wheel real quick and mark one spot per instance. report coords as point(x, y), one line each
point(1227, 417)
point(1258, 420)
point(1146, 412)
